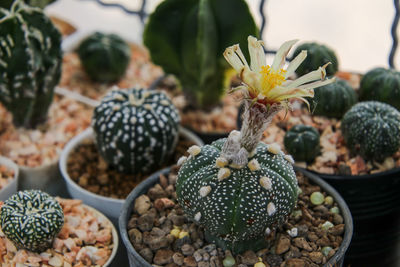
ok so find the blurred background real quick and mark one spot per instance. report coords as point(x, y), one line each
point(358, 30)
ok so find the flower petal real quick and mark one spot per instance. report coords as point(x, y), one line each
point(235, 57)
point(257, 55)
point(280, 56)
point(295, 63)
point(318, 74)
point(317, 83)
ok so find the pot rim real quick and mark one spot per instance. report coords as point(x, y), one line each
point(12, 165)
point(89, 134)
point(146, 184)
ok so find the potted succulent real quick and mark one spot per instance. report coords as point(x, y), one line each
point(134, 132)
point(35, 3)
point(31, 59)
point(8, 178)
point(193, 40)
point(237, 190)
point(39, 230)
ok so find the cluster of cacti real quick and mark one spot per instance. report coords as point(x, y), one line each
point(238, 188)
point(136, 129)
point(333, 100)
point(30, 63)
point(381, 85)
point(317, 55)
point(302, 142)
point(187, 39)
point(104, 57)
point(31, 220)
point(372, 129)
point(36, 3)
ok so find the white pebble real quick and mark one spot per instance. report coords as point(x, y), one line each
point(221, 162)
point(194, 150)
point(254, 165)
point(205, 190)
point(223, 173)
point(293, 232)
point(289, 158)
point(266, 183)
point(274, 148)
point(197, 217)
point(271, 209)
point(181, 161)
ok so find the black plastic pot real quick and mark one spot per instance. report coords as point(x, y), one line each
point(374, 202)
point(135, 260)
point(208, 137)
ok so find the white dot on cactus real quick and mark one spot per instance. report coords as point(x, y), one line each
point(133, 120)
point(271, 209)
point(205, 190)
point(274, 148)
point(223, 173)
point(194, 150)
point(254, 165)
point(289, 158)
point(181, 160)
point(266, 183)
point(197, 217)
point(221, 162)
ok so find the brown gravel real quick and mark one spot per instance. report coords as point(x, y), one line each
point(297, 243)
point(6, 176)
point(37, 147)
point(90, 171)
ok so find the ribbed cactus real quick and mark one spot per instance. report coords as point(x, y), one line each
point(334, 99)
point(372, 129)
point(317, 55)
point(302, 142)
point(238, 188)
point(30, 63)
point(136, 129)
point(104, 57)
point(31, 220)
point(381, 85)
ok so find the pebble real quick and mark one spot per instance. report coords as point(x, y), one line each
point(317, 198)
point(229, 261)
point(316, 257)
point(300, 242)
point(177, 220)
point(325, 250)
point(203, 264)
point(198, 256)
point(163, 256)
point(142, 204)
point(147, 254)
point(337, 229)
point(296, 263)
point(187, 249)
point(274, 260)
point(156, 192)
point(135, 235)
point(337, 218)
point(146, 221)
point(249, 257)
point(282, 245)
point(190, 261)
point(178, 258)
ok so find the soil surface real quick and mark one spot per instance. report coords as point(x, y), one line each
point(6, 176)
point(162, 235)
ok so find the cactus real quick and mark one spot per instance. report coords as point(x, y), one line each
point(187, 39)
point(30, 63)
point(302, 142)
point(31, 219)
point(372, 129)
point(238, 188)
point(35, 3)
point(381, 85)
point(136, 129)
point(317, 55)
point(104, 57)
point(334, 99)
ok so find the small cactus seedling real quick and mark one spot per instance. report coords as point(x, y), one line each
point(372, 129)
point(136, 129)
point(239, 188)
point(302, 142)
point(31, 220)
point(30, 63)
point(381, 85)
point(317, 55)
point(104, 57)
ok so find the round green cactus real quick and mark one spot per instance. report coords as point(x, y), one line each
point(333, 100)
point(104, 57)
point(31, 220)
point(317, 55)
point(238, 206)
point(302, 142)
point(372, 129)
point(136, 129)
point(30, 63)
point(36, 3)
point(381, 85)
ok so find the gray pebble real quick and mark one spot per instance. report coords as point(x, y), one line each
point(203, 264)
point(178, 258)
point(187, 250)
point(145, 222)
point(147, 254)
point(197, 256)
point(135, 236)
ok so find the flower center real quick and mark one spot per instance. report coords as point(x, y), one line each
point(271, 78)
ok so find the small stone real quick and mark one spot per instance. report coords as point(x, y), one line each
point(293, 232)
point(163, 203)
point(183, 234)
point(194, 150)
point(187, 250)
point(177, 220)
point(274, 260)
point(205, 190)
point(163, 256)
point(203, 264)
point(181, 161)
point(156, 192)
point(325, 250)
point(317, 198)
point(223, 173)
point(249, 257)
point(175, 232)
point(146, 221)
point(135, 236)
point(190, 261)
point(316, 257)
point(312, 236)
point(337, 218)
point(334, 210)
point(282, 245)
point(328, 200)
point(178, 258)
point(210, 248)
point(180, 242)
point(147, 254)
point(300, 242)
point(337, 230)
point(197, 256)
point(221, 162)
point(215, 262)
point(56, 261)
point(296, 263)
point(266, 183)
point(271, 209)
point(229, 261)
point(326, 225)
point(253, 165)
point(260, 264)
point(142, 204)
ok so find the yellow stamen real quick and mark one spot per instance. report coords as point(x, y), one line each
point(271, 78)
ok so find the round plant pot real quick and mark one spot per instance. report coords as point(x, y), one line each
point(210, 137)
point(11, 188)
point(374, 203)
point(111, 207)
point(135, 260)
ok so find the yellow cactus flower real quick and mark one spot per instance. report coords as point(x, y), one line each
point(269, 85)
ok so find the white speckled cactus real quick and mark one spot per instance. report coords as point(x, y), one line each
point(136, 129)
point(239, 188)
point(30, 63)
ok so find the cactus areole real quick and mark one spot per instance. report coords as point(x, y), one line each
point(30, 63)
point(239, 188)
point(31, 219)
